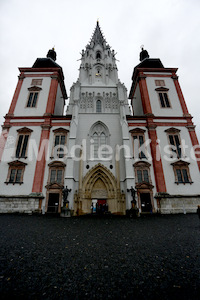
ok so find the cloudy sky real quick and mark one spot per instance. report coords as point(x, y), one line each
point(169, 30)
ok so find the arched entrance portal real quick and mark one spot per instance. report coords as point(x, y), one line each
point(99, 184)
point(99, 197)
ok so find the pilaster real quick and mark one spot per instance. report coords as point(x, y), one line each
point(16, 94)
point(41, 161)
point(157, 163)
point(144, 95)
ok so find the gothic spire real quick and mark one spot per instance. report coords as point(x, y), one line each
point(97, 37)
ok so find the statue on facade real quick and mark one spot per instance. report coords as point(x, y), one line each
point(133, 191)
point(134, 211)
point(65, 196)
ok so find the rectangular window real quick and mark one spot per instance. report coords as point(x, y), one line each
point(146, 175)
point(159, 82)
point(53, 176)
point(182, 176)
point(15, 176)
point(175, 142)
point(32, 99)
point(59, 176)
point(36, 82)
point(56, 175)
point(164, 100)
point(22, 145)
point(142, 176)
point(179, 176)
point(60, 140)
point(185, 175)
point(139, 140)
point(139, 176)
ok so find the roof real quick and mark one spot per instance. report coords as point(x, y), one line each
point(150, 63)
point(45, 63)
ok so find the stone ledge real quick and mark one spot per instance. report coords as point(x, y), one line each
point(165, 195)
point(30, 196)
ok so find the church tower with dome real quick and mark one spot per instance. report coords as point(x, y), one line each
point(106, 153)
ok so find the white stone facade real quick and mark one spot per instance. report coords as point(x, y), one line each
point(98, 114)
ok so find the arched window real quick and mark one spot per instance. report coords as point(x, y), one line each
point(98, 106)
point(98, 55)
point(99, 137)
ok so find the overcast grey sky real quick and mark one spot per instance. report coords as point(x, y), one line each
point(169, 30)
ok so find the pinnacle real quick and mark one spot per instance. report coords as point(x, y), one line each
point(97, 37)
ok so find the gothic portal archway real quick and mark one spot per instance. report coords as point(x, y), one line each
point(100, 183)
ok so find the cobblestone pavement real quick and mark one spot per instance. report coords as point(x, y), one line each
point(155, 257)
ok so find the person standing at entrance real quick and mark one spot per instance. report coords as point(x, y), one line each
point(92, 208)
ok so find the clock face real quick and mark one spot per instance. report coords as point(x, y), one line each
point(98, 74)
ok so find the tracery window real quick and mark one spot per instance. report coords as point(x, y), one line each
point(99, 137)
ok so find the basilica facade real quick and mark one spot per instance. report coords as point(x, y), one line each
point(107, 150)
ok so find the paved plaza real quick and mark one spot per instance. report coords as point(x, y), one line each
point(152, 257)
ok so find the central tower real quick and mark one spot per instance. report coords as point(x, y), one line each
point(98, 105)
